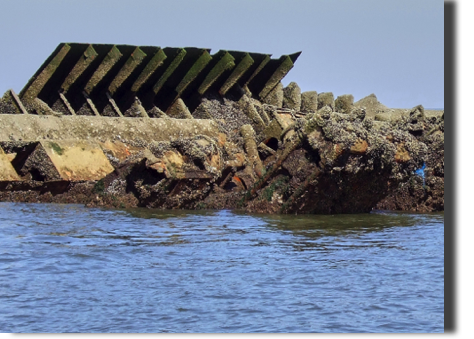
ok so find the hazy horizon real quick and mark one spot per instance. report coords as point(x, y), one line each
point(392, 48)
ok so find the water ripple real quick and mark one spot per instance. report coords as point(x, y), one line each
point(66, 268)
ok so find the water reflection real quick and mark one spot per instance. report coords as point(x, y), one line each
point(146, 213)
point(317, 225)
point(311, 226)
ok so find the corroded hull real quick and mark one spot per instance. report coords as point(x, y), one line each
point(124, 126)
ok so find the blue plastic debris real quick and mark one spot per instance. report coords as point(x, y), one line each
point(421, 172)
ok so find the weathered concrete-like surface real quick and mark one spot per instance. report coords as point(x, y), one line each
point(309, 101)
point(109, 80)
point(344, 103)
point(275, 97)
point(326, 99)
point(33, 127)
point(372, 105)
point(7, 172)
point(292, 96)
point(77, 160)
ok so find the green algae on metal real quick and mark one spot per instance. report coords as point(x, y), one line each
point(286, 64)
point(155, 62)
point(36, 85)
point(258, 69)
point(193, 72)
point(110, 60)
point(238, 71)
point(171, 68)
point(82, 64)
point(132, 62)
point(226, 62)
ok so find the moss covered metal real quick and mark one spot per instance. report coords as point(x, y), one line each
point(225, 63)
point(194, 71)
point(150, 68)
point(286, 64)
point(237, 72)
point(82, 64)
point(263, 63)
point(172, 67)
point(37, 83)
point(78, 78)
point(133, 61)
point(112, 57)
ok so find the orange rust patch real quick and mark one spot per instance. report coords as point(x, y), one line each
point(402, 154)
point(236, 180)
point(338, 150)
point(221, 139)
point(158, 166)
point(215, 161)
point(119, 150)
point(359, 147)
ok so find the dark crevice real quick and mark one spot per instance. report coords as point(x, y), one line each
point(36, 175)
point(416, 133)
point(23, 152)
point(272, 143)
point(199, 164)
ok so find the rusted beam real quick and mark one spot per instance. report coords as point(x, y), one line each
point(237, 72)
point(37, 82)
point(133, 61)
point(81, 65)
point(150, 68)
point(106, 65)
point(225, 62)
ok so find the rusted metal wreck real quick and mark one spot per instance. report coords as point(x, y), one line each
point(125, 126)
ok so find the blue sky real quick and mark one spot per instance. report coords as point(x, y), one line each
point(393, 48)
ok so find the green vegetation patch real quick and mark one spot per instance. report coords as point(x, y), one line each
point(280, 183)
point(56, 148)
point(99, 186)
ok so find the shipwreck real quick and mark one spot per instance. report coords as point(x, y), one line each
point(126, 126)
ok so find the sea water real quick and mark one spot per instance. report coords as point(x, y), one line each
point(67, 268)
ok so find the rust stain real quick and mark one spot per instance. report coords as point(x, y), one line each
point(402, 154)
point(222, 139)
point(359, 147)
point(338, 150)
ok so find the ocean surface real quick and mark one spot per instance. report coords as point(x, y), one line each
point(67, 268)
